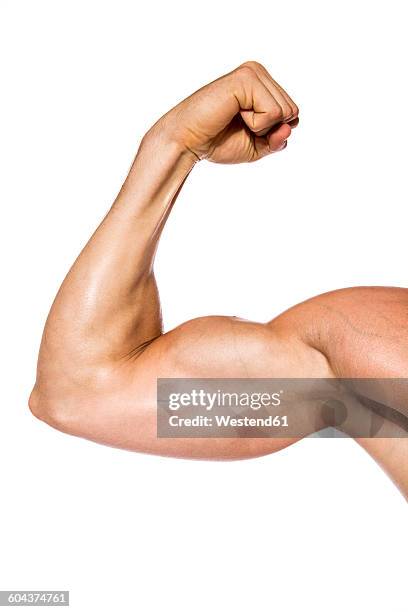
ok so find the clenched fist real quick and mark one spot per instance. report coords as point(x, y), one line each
point(241, 117)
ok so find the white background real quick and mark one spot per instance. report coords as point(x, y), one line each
point(315, 527)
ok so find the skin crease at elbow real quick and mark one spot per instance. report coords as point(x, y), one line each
point(97, 370)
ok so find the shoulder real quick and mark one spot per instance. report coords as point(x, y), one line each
point(363, 331)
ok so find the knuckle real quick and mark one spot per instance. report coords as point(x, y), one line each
point(245, 70)
point(252, 66)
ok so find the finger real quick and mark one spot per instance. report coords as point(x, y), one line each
point(292, 104)
point(290, 109)
point(262, 147)
point(278, 94)
point(283, 92)
point(274, 142)
point(278, 137)
point(260, 110)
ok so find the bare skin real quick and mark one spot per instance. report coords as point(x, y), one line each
point(103, 346)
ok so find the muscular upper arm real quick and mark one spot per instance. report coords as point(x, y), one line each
point(120, 410)
point(330, 335)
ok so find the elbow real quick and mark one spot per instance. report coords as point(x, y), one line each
point(51, 412)
point(36, 406)
point(73, 406)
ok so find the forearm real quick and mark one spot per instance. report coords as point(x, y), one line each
point(107, 307)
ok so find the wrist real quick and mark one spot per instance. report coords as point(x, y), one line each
point(164, 136)
point(157, 173)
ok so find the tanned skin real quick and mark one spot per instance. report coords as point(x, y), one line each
point(103, 346)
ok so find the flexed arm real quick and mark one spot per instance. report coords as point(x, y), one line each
point(107, 308)
point(107, 312)
point(103, 347)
